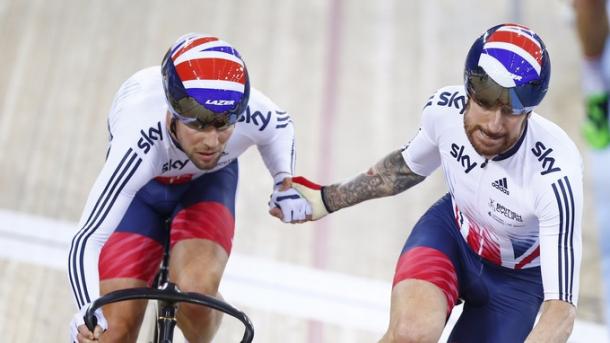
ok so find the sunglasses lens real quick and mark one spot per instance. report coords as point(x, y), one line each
point(216, 121)
point(487, 93)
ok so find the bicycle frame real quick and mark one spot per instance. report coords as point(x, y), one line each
point(166, 312)
point(168, 295)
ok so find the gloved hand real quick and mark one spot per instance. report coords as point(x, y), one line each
point(288, 205)
point(313, 193)
point(77, 325)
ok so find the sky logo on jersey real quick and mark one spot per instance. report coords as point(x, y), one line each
point(548, 163)
point(513, 55)
point(464, 159)
point(501, 185)
point(148, 138)
point(174, 165)
point(452, 100)
point(259, 118)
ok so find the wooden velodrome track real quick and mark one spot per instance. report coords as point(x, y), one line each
point(353, 75)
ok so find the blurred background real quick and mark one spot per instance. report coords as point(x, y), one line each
point(353, 75)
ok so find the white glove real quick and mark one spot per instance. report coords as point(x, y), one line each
point(79, 319)
point(293, 206)
point(313, 193)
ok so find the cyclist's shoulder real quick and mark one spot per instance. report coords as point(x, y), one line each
point(263, 115)
point(545, 134)
point(452, 98)
point(139, 102)
point(552, 154)
point(143, 82)
point(259, 101)
point(443, 111)
point(445, 105)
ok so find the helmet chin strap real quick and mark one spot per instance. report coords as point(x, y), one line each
point(172, 127)
point(173, 134)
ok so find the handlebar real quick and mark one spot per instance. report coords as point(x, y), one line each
point(173, 296)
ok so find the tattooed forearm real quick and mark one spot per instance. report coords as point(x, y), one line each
point(387, 177)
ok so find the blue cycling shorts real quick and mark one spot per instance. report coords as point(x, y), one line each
point(203, 208)
point(500, 304)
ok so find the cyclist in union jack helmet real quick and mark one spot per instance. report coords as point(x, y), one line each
point(506, 238)
point(176, 132)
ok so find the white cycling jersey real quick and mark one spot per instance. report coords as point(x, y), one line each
point(522, 208)
point(141, 150)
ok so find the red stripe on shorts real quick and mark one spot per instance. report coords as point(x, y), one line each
point(130, 255)
point(423, 263)
point(205, 220)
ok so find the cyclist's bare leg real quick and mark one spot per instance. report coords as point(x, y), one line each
point(417, 314)
point(125, 317)
point(197, 265)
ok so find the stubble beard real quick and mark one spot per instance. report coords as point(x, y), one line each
point(203, 165)
point(482, 149)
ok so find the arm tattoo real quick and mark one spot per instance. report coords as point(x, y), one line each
point(387, 177)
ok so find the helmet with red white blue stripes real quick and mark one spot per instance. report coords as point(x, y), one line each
point(205, 81)
point(508, 64)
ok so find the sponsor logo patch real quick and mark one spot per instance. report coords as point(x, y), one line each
point(501, 185)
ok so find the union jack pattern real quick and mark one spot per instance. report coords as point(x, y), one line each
point(513, 54)
point(210, 69)
point(503, 251)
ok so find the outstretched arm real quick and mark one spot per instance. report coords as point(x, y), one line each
point(389, 176)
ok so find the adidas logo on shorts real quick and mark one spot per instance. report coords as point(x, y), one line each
point(501, 185)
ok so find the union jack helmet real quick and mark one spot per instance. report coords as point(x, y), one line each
point(509, 64)
point(205, 81)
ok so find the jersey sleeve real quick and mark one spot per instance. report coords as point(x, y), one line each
point(271, 129)
point(422, 153)
point(278, 150)
point(559, 209)
point(123, 174)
